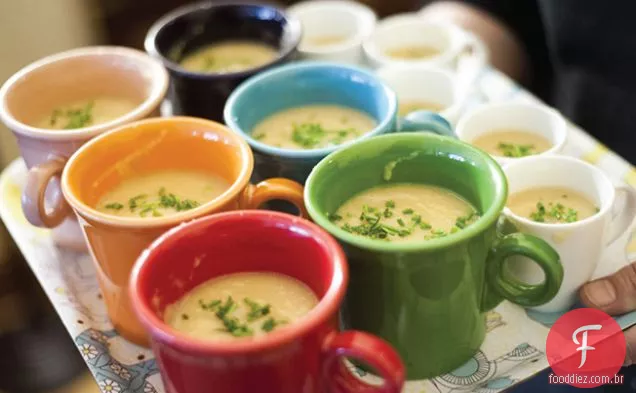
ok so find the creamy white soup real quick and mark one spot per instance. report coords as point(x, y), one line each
point(408, 106)
point(405, 212)
point(325, 40)
point(241, 305)
point(162, 194)
point(512, 143)
point(230, 56)
point(86, 113)
point(413, 52)
point(313, 127)
point(551, 205)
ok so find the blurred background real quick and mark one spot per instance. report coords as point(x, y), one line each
point(36, 353)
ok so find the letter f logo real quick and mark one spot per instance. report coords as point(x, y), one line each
point(583, 344)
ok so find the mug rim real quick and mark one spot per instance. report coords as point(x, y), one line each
point(531, 160)
point(440, 72)
point(229, 114)
point(561, 133)
point(150, 42)
point(361, 12)
point(95, 215)
point(158, 84)
point(373, 52)
point(489, 217)
point(327, 305)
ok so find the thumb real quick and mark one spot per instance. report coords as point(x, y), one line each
point(615, 294)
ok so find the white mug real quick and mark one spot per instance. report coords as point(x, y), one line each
point(436, 86)
point(527, 117)
point(579, 244)
point(410, 29)
point(333, 30)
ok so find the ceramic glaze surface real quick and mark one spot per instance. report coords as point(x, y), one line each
point(190, 28)
point(115, 242)
point(287, 358)
point(302, 85)
point(580, 244)
point(429, 298)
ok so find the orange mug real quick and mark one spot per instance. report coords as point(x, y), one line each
point(148, 147)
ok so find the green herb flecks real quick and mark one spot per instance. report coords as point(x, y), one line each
point(144, 206)
point(464, 221)
point(333, 217)
point(554, 212)
point(271, 324)
point(256, 310)
point(392, 222)
point(210, 306)
point(312, 135)
point(513, 150)
point(224, 311)
point(75, 118)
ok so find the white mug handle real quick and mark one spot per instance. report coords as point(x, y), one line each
point(623, 212)
point(470, 63)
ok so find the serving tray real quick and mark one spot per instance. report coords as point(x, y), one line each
point(512, 352)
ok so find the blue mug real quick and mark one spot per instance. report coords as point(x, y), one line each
point(310, 83)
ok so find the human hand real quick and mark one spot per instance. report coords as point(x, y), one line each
point(615, 295)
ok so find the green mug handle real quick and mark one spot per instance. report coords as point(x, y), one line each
point(500, 286)
point(426, 121)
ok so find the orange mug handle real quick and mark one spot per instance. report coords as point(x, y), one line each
point(272, 189)
point(33, 196)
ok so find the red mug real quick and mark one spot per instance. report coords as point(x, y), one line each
point(303, 357)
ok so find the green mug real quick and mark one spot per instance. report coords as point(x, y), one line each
point(428, 298)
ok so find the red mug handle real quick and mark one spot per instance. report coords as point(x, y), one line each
point(370, 349)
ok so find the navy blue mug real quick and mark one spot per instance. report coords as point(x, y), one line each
point(188, 29)
point(309, 83)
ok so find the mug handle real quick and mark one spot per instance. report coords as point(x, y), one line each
point(623, 214)
point(500, 285)
point(271, 189)
point(33, 196)
point(426, 121)
point(474, 54)
point(367, 348)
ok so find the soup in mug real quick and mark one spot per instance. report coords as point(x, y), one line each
point(87, 113)
point(325, 40)
point(241, 305)
point(409, 106)
point(551, 205)
point(162, 194)
point(313, 127)
point(413, 52)
point(230, 56)
point(512, 143)
point(405, 212)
